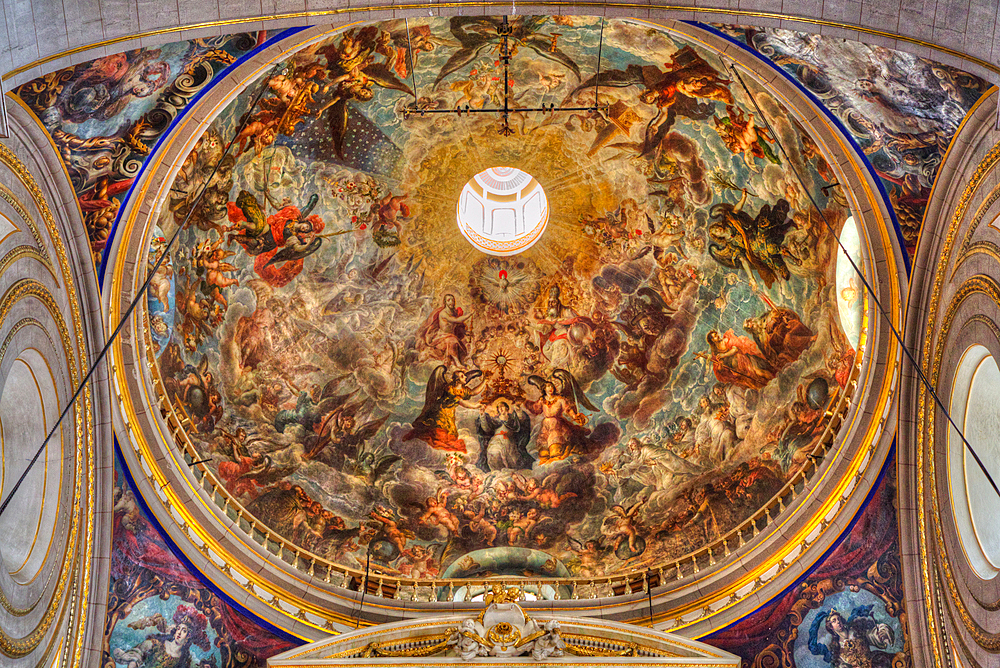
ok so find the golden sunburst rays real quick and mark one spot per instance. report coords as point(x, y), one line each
point(503, 362)
point(497, 361)
point(508, 286)
point(577, 186)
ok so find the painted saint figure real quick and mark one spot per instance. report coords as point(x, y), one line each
point(737, 360)
point(560, 330)
point(442, 336)
point(756, 245)
point(503, 439)
point(780, 335)
point(436, 423)
point(171, 646)
point(854, 643)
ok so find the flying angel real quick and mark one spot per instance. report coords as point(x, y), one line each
point(476, 34)
point(689, 86)
point(353, 72)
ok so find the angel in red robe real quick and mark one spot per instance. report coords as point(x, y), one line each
point(281, 242)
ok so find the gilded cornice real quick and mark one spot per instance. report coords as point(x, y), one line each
point(926, 413)
point(16, 204)
point(968, 248)
point(353, 11)
point(77, 557)
point(984, 285)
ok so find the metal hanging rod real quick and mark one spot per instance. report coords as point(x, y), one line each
point(504, 30)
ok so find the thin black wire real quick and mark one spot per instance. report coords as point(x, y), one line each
point(600, 49)
point(413, 73)
point(364, 586)
point(140, 295)
point(649, 593)
point(868, 287)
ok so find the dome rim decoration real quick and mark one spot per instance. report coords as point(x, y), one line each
point(300, 596)
point(952, 305)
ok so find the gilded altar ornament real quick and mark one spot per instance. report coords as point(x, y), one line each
point(500, 593)
point(503, 630)
point(503, 634)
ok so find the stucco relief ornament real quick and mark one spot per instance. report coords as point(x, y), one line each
point(550, 644)
point(503, 630)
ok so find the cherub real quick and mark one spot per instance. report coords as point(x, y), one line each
point(626, 525)
point(421, 562)
point(528, 522)
point(590, 553)
point(195, 312)
point(744, 137)
point(549, 645)
point(390, 527)
point(467, 642)
point(260, 132)
point(208, 257)
point(466, 482)
point(481, 525)
point(437, 513)
point(543, 493)
point(391, 210)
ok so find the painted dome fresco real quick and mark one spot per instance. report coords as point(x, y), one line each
point(566, 342)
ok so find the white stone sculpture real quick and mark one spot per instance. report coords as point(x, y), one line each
point(549, 645)
point(466, 642)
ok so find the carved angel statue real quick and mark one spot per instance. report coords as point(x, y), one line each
point(466, 642)
point(549, 645)
point(499, 593)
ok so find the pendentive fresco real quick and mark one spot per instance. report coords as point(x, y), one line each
point(105, 115)
point(641, 380)
point(847, 612)
point(159, 614)
point(901, 109)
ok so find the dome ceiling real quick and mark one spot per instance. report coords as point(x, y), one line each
point(648, 374)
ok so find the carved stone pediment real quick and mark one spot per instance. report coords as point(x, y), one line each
point(503, 633)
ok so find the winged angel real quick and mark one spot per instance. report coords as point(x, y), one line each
point(476, 34)
point(677, 89)
point(436, 423)
point(278, 243)
point(563, 430)
point(353, 71)
point(753, 244)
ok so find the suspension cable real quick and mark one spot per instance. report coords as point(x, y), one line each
point(885, 316)
point(141, 294)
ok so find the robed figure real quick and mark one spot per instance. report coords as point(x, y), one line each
point(503, 439)
point(436, 425)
